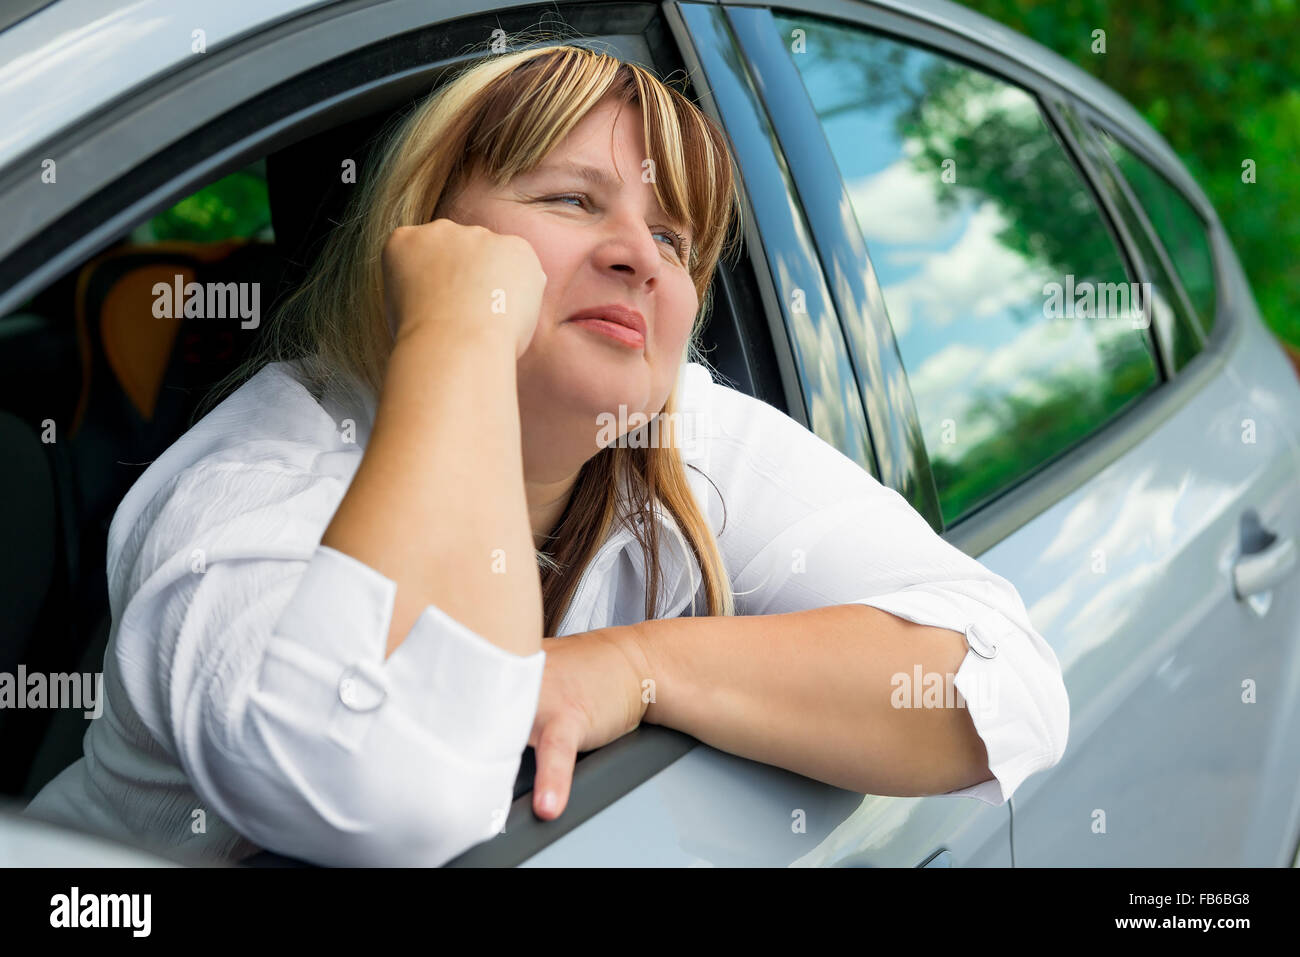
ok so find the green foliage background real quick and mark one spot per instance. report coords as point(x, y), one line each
point(1221, 82)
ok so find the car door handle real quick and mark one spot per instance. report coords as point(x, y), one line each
point(1262, 570)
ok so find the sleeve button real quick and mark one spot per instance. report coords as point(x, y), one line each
point(978, 644)
point(360, 692)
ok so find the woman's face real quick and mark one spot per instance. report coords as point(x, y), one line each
point(600, 244)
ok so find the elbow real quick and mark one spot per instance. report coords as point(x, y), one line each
point(1047, 725)
point(327, 750)
point(428, 804)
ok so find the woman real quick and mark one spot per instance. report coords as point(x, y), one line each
point(412, 544)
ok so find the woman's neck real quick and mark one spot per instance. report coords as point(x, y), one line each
point(546, 503)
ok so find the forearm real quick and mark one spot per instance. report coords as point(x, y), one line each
point(814, 692)
point(438, 503)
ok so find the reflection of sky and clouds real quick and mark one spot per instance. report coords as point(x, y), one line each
point(966, 306)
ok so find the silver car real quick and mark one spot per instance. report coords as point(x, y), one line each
point(967, 265)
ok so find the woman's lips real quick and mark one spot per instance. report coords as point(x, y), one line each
point(613, 331)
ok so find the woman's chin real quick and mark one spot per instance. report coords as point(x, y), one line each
point(598, 390)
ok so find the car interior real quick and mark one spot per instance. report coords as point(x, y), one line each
point(92, 393)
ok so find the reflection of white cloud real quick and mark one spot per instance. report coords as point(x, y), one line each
point(818, 351)
point(1044, 348)
point(897, 205)
point(951, 365)
point(907, 257)
point(942, 388)
point(945, 384)
point(974, 278)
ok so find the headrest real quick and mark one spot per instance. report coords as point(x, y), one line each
point(115, 316)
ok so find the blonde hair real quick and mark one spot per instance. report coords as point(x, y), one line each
point(502, 115)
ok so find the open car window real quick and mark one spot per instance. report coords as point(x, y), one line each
point(244, 196)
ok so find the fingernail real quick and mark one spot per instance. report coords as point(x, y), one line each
point(548, 801)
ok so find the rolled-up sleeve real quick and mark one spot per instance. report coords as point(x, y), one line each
point(1010, 680)
point(256, 656)
point(807, 527)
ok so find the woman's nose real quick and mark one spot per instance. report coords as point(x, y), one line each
point(633, 251)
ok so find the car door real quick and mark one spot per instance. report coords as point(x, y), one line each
point(1261, 606)
point(1116, 465)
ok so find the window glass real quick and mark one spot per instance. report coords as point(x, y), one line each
point(1014, 313)
point(1180, 228)
point(234, 207)
point(110, 359)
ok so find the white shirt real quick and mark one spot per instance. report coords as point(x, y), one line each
point(249, 704)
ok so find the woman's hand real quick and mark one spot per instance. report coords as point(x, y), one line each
point(591, 695)
point(446, 272)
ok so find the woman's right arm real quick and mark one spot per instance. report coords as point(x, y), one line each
point(363, 697)
point(438, 502)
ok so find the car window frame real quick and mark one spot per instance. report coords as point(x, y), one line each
point(775, 223)
point(1153, 236)
point(226, 137)
point(1122, 201)
point(967, 38)
point(1085, 157)
point(1094, 122)
point(866, 336)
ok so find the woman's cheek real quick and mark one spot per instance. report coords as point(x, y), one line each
point(681, 330)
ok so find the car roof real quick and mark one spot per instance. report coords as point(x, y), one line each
point(116, 49)
point(73, 57)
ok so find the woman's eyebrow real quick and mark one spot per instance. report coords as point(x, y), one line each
point(588, 174)
point(592, 175)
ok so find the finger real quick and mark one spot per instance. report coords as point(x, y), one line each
point(556, 753)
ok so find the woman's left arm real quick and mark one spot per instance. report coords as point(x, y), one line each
point(826, 693)
point(866, 650)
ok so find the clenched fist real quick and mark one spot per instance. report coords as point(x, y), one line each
point(469, 276)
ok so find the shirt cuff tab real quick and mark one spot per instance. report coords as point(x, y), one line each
point(478, 696)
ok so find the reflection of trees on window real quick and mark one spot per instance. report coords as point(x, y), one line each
point(1001, 151)
point(969, 206)
point(1000, 148)
point(1030, 430)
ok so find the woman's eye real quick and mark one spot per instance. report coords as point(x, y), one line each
point(674, 238)
point(580, 198)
